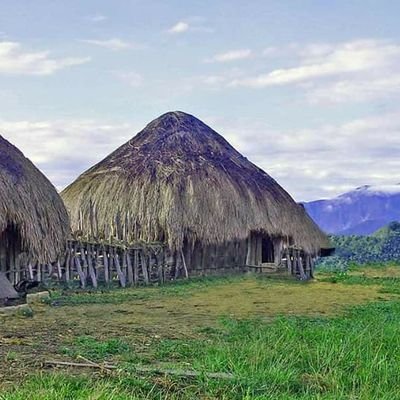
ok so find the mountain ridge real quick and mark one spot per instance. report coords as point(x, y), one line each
point(361, 211)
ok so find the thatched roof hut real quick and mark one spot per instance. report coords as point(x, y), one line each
point(180, 182)
point(34, 223)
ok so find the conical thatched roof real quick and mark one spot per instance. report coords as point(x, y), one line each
point(30, 204)
point(179, 178)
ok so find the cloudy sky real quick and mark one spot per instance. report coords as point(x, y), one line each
point(309, 90)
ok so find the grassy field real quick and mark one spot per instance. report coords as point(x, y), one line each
point(337, 337)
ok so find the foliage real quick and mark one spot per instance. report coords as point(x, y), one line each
point(382, 247)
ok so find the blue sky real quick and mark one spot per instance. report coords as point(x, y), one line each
point(308, 90)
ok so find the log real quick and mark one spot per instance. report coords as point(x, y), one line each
point(142, 369)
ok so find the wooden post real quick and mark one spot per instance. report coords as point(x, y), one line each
point(258, 252)
point(111, 262)
point(312, 266)
point(127, 255)
point(303, 276)
point(39, 272)
point(160, 265)
point(121, 275)
point(136, 266)
point(184, 265)
point(92, 271)
point(105, 262)
point(144, 267)
point(59, 271)
point(249, 247)
point(67, 262)
point(80, 271)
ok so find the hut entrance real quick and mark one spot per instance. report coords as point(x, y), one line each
point(10, 248)
point(267, 253)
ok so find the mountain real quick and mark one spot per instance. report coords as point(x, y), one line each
point(362, 211)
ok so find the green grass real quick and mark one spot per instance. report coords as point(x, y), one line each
point(352, 356)
point(114, 295)
point(355, 356)
point(95, 350)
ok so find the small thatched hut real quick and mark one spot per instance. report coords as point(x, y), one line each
point(180, 183)
point(34, 223)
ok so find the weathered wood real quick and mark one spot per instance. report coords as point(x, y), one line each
point(105, 263)
point(59, 271)
point(144, 269)
point(80, 271)
point(92, 271)
point(136, 266)
point(302, 274)
point(129, 267)
point(121, 275)
point(142, 369)
point(184, 265)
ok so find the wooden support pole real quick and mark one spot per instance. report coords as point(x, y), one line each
point(121, 275)
point(136, 266)
point(105, 263)
point(127, 255)
point(92, 271)
point(303, 276)
point(144, 268)
point(184, 265)
point(80, 271)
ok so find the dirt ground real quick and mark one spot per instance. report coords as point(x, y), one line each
point(26, 342)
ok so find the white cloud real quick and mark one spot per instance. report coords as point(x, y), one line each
point(230, 56)
point(310, 163)
point(179, 27)
point(132, 78)
point(114, 44)
point(325, 60)
point(63, 149)
point(356, 90)
point(15, 61)
point(97, 18)
point(323, 161)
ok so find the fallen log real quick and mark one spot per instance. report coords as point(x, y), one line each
point(142, 369)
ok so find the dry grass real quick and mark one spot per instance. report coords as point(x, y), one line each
point(30, 206)
point(179, 179)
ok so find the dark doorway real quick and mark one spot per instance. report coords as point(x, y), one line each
point(10, 248)
point(267, 250)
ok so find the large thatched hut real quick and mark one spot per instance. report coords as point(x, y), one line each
point(34, 223)
point(180, 183)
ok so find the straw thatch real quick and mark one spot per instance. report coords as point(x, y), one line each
point(33, 218)
point(180, 180)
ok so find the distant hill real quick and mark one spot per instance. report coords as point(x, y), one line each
point(362, 211)
point(393, 229)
